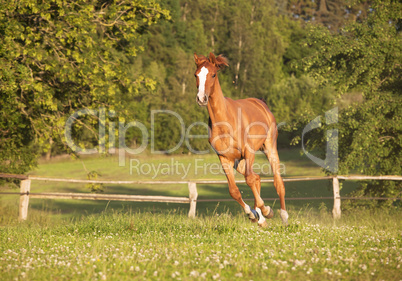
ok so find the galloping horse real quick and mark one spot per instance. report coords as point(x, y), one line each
point(237, 129)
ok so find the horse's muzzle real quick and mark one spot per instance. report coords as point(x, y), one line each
point(203, 101)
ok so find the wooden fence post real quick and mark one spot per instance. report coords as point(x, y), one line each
point(193, 194)
point(25, 188)
point(336, 211)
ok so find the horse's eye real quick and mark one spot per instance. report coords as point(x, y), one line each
point(213, 75)
point(195, 75)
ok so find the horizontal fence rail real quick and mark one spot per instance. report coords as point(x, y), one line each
point(25, 192)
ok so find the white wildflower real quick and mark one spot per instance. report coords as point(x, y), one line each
point(299, 262)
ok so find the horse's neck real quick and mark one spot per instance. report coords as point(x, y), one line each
point(217, 105)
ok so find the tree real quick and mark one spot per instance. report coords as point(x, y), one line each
point(60, 56)
point(364, 60)
point(254, 47)
point(333, 14)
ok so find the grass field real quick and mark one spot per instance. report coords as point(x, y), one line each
point(101, 240)
point(126, 245)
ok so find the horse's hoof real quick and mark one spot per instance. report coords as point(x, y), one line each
point(256, 216)
point(269, 214)
point(253, 216)
point(261, 220)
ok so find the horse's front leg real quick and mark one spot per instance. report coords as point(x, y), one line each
point(254, 182)
point(234, 191)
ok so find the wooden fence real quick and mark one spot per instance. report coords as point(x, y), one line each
point(25, 191)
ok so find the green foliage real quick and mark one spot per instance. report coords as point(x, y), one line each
point(333, 14)
point(365, 58)
point(255, 47)
point(94, 187)
point(60, 56)
point(296, 96)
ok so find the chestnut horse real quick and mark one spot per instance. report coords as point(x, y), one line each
point(237, 129)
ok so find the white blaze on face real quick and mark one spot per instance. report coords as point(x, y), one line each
point(203, 78)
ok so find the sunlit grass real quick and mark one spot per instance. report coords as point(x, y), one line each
point(216, 246)
point(101, 240)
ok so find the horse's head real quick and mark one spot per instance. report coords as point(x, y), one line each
point(207, 69)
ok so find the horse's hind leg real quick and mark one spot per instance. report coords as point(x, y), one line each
point(234, 191)
point(271, 151)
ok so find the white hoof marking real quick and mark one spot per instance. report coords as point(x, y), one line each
point(247, 209)
point(262, 219)
point(284, 216)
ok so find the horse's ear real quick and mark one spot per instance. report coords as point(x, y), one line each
point(221, 61)
point(196, 59)
point(199, 59)
point(212, 58)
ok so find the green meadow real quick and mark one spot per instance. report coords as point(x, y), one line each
point(105, 240)
point(144, 245)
